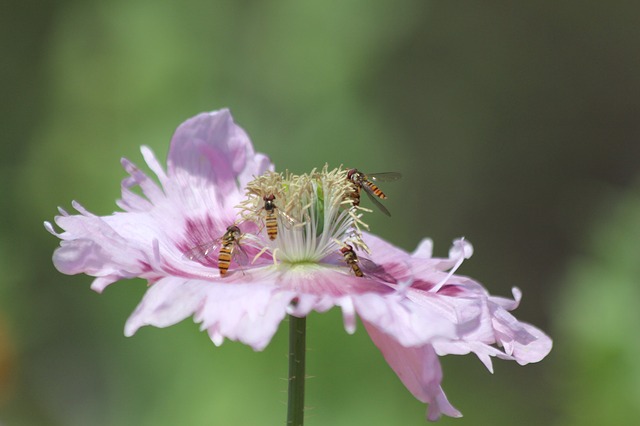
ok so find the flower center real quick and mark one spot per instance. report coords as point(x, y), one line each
point(303, 218)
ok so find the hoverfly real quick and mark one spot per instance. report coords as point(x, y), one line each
point(230, 248)
point(361, 180)
point(271, 217)
point(351, 259)
point(358, 264)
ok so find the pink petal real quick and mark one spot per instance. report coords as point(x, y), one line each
point(348, 314)
point(409, 323)
point(174, 217)
point(248, 313)
point(226, 308)
point(393, 260)
point(211, 151)
point(419, 370)
point(384, 253)
point(483, 351)
point(248, 306)
point(508, 304)
point(524, 342)
point(154, 164)
point(137, 177)
point(482, 319)
point(93, 247)
point(424, 249)
point(167, 302)
point(320, 288)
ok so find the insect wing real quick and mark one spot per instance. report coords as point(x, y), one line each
point(384, 177)
point(202, 252)
point(375, 201)
point(372, 269)
point(287, 220)
point(335, 258)
point(239, 255)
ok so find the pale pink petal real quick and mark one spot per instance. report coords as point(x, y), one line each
point(393, 260)
point(137, 177)
point(482, 319)
point(409, 323)
point(93, 247)
point(424, 249)
point(248, 313)
point(483, 351)
point(521, 342)
point(383, 251)
point(120, 245)
point(463, 311)
point(348, 313)
point(508, 304)
point(402, 265)
point(173, 216)
point(268, 292)
point(248, 306)
point(132, 202)
point(319, 288)
point(100, 283)
point(419, 370)
point(211, 155)
point(154, 164)
point(524, 342)
point(167, 302)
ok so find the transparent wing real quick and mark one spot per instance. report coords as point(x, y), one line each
point(287, 220)
point(335, 258)
point(202, 252)
point(368, 264)
point(239, 255)
point(375, 201)
point(384, 176)
point(372, 269)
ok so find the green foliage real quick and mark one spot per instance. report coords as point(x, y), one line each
point(598, 317)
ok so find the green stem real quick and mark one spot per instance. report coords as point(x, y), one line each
point(297, 350)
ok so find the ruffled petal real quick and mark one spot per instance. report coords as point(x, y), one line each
point(508, 304)
point(192, 205)
point(393, 260)
point(225, 308)
point(524, 342)
point(383, 252)
point(482, 319)
point(133, 202)
point(495, 326)
point(154, 164)
point(90, 245)
point(483, 351)
point(409, 323)
point(167, 302)
point(320, 288)
point(419, 370)
point(213, 156)
point(424, 249)
point(248, 313)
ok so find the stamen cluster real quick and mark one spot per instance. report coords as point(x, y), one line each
point(312, 214)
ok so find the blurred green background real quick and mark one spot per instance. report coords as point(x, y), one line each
point(514, 124)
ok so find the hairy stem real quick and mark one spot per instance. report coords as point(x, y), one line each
point(297, 350)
